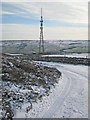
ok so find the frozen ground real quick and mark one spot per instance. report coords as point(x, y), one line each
point(68, 99)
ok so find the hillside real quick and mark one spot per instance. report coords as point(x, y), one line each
point(51, 47)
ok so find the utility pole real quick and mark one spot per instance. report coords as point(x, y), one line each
point(41, 43)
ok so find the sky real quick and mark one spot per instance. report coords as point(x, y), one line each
point(67, 20)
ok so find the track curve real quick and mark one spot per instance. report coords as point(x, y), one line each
point(69, 99)
point(75, 79)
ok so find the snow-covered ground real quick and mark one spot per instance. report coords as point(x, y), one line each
point(83, 55)
point(68, 99)
point(13, 54)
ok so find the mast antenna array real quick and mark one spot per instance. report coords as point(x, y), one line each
point(41, 43)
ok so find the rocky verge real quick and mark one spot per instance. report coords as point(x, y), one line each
point(24, 81)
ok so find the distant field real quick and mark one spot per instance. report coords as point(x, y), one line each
point(51, 47)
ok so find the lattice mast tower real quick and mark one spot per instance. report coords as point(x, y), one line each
point(41, 43)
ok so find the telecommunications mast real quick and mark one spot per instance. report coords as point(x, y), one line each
point(41, 43)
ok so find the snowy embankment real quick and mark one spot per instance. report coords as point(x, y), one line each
point(24, 82)
point(69, 99)
point(83, 55)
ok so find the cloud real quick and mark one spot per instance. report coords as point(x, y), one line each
point(15, 9)
point(17, 31)
point(62, 20)
point(26, 32)
point(45, 1)
point(65, 33)
point(70, 12)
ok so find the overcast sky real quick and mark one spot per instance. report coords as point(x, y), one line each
point(62, 20)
